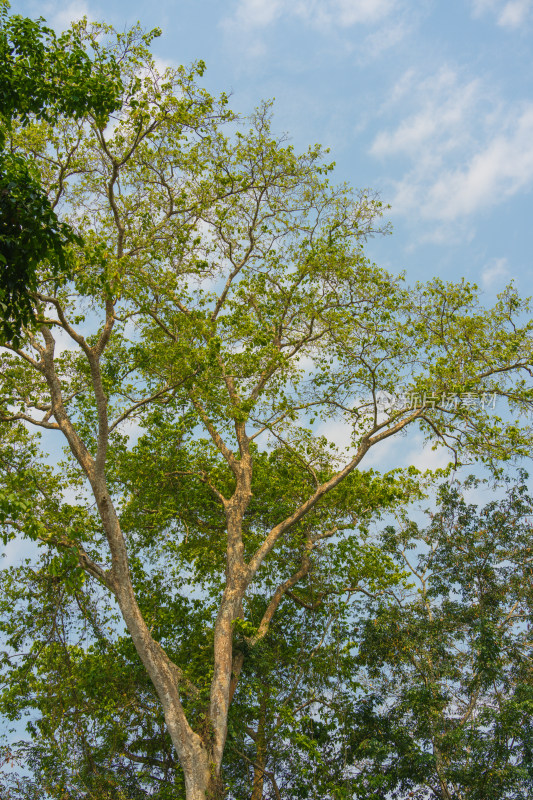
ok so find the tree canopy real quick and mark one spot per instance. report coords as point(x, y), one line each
point(218, 317)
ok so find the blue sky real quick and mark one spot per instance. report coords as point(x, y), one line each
point(430, 103)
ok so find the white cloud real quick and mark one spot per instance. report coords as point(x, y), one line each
point(480, 6)
point(423, 457)
point(397, 451)
point(444, 106)
point(381, 456)
point(60, 16)
point(408, 450)
point(353, 12)
point(251, 14)
point(494, 273)
point(249, 20)
point(162, 64)
point(508, 13)
point(385, 38)
point(501, 167)
point(464, 148)
point(257, 13)
point(514, 13)
point(386, 455)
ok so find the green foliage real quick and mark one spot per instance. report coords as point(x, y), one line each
point(218, 316)
point(44, 77)
point(29, 233)
point(432, 688)
point(94, 723)
point(449, 668)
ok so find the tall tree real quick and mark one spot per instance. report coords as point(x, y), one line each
point(221, 291)
point(87, 695)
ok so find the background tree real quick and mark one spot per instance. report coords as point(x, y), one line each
point(221, 290)
point(449, 663)
point(42, 76)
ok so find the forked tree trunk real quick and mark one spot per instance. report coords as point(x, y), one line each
point(200, 756)
point(199, 762)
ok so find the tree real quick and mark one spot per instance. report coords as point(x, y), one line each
point(412, 702)
point(448, 715)
point(221, 291)
point(91, 741)
point(48, 77)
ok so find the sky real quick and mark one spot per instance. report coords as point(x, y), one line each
point(429, 103)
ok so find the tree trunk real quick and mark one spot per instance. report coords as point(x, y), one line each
point(260, 755)
point(199, 783)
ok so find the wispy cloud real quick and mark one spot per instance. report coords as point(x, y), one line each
point(351, 12)
point(255, 14)
point(462, 147)
point(495, 273)
point(443, 107)
point(424, 457)
point(381, 24)
point(60, 15)
point(508, 13)
point(385, 38)
point(501, 167)
point(411, 449)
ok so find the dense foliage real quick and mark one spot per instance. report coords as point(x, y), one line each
point(415, 680)
point(185, 624)
point(41, 76)
point(450, 670)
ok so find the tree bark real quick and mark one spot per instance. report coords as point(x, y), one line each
point(260, 751)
